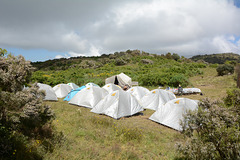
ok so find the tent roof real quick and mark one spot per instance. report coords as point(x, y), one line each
point(122, 79)
point(156, 97)
point(118, 104)
point(171, 113)
point(111, 87)
point(89, 96)
point(73, 85)
point(138, 92)
point(50, 94)
point(62, 90)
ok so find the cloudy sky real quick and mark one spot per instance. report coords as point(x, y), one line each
point(48, 29)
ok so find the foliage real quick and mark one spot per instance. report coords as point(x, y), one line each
point(178, 79)
point(218, 58)
point(225, 69)
point(147, 69)
point(175, 56)
point(3, 52)
point(233, 97)
point(15, 72)
point(213, 132)
point(23, 116)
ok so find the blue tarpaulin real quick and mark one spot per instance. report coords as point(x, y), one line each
point(73, 93)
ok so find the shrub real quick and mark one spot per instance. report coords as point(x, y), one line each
point(22, 112)
point(147, 61)
point(225, 69)
point(233, 97)
point(120, 61)
point(175, 56)
point(178, 79)
point(213, 132)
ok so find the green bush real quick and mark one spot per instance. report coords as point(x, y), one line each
point(178, 79)
point(23, 116)
point(213, 132)
point(233, 97)
point(225, 69)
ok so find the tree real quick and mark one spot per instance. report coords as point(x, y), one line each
point(175, 56)
point(23, 116)
point(169, 55)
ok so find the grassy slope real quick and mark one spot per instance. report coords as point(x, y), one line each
point(92, 136)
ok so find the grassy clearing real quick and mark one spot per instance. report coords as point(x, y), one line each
point(92, 136)
point(211, 85)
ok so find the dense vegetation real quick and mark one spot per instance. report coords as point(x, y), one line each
point(225, 69)
point(214, 130)
point(147, 69)
point(25, 122)
point(218, 58)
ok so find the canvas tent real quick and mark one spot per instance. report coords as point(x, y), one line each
point(50, 94)
point(118, 104)
point(73, 93)
point(62, 90)
point(89, 97)
point(90, 84)
point(171, 114)
point(73, 85)
point(138, 92)
point(120, 79)
point(155, 98)
point(111, 87)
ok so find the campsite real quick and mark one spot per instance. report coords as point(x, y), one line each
point(127, 80)
point(130, 137)
point(134, 137)
point(111, 115)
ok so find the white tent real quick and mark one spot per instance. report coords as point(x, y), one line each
point(73, 85)
point(121, 80)
point(90, 84)
point(138, 92)
point(118, 104)
point(50, 94)
point(62, 90)
point(111, 87)
point(155, 98)
point(171, 114)
point(89, 97)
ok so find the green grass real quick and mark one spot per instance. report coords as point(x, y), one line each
point(211, 85)
point(92, 136)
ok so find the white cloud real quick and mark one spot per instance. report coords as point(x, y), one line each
point(238, 43)
point(59, 56)
point(187, 27)
point(224, 45)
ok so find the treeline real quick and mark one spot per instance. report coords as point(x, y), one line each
point(119, 58)
point(218, 58)
point(148, 69)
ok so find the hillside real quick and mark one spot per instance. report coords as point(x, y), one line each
point(217, 58)
point(147, 69)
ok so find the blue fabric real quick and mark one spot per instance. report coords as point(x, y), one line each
point(73, 93)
